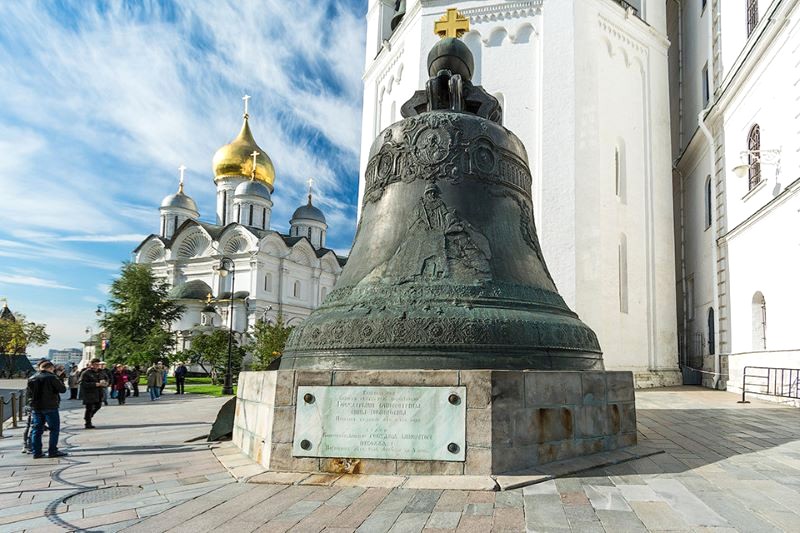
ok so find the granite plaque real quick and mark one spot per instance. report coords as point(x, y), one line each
point(418, 423)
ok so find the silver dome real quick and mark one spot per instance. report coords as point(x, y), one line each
point(308, 212)
point(252, 188)
point(179, 200)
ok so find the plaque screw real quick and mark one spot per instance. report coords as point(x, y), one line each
point(454, 399)
point(452, 447)
point(308, 398)
point(306, 444)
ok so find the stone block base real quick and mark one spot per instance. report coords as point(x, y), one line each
point(515, 419)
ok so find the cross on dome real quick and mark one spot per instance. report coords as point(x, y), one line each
point(452, 24)
point(254, 155)
point(246, 97)
point(182, 169)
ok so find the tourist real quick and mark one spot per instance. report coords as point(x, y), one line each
point(108, 377)
point(155, 378)
point(120, 383)
point(134, 374)
point(92, 386)
point(73, 382)
point(44, 391)
point(180, 377)
point(26, 434)
point(164, 375)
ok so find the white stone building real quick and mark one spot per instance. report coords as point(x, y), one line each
point(584, 84)
point(274, 273)
point(735, 102)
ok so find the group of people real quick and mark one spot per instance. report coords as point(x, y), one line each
point(93, 385)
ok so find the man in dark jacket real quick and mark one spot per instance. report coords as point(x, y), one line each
point(92, 384)
point(180, 377)
point(44, 391)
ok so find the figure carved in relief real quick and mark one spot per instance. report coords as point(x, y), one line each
point(439, 244)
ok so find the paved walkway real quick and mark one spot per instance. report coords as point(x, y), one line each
point(726, 467)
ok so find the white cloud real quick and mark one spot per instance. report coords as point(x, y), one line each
point(124, 237)
point(15, 279)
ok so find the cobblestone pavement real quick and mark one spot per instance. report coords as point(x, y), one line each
point(725, 467)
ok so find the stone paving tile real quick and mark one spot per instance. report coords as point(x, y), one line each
point(659, 516)
point(508, 519)
point(410, 522)
point(619, 521)
point(291, 516)
point(474, 524)
point(361, 508)
point(443, 520)
point(544, 512)
point(423, 501)
point(346, 496)
point(452, 500)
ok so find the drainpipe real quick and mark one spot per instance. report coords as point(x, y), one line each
point(684, 291)
point(701, 121)
point(680, 71)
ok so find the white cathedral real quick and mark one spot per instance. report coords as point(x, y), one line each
point(273, 274)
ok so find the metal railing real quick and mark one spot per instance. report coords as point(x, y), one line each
point(771, 381)
point(17, 404)
point(627, 5)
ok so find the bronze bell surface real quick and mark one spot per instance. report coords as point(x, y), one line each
point(446, 271)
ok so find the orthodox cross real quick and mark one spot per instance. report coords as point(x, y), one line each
point(246, 97)
point(254, 155)
point(182, 169)
point(208, 298)
point(452, 24)
point(310, 183)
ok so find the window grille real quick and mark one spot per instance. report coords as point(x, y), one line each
point(753, 156)
point(752, 16)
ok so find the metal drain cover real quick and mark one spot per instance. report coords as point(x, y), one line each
point(102, 495)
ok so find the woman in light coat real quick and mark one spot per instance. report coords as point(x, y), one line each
point(155, 378)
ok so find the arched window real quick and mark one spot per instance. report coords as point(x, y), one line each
point(263, 218)
point(619, 170)
point(268, 282)
point(224, 207)
point(309, 233)
point(239, 213)
point(759, 322)
point(175, 224)
point(296, 290)
point(712, 339)
point(752, 16)
point(754, 149)
point(251, 215)
point(708, 204)
point(622, 258)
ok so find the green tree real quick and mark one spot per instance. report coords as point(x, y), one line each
point(210, 351)
point(139, 317)
point(269, 341)
point(18, 334)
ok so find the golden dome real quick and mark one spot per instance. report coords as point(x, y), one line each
point(236, 159)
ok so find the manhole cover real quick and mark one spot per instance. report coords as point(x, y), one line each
point(102, 495)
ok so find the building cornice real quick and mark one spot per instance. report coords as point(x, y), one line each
point(765, 210)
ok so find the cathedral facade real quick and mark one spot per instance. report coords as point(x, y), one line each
point(584, 84)
point(273, 273)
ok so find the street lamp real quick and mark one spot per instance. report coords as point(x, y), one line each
point(227, 266)
point(753, 157)
point(101, 310)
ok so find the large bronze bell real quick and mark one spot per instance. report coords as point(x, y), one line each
point(446, 271)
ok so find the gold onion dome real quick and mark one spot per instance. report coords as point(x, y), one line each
point(236, 159)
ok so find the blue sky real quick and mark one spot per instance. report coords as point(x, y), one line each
point(100, 102)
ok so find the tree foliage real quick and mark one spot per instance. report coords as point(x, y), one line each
point(17, 335)
point(269, 341)
point(139, 317)
point(209, 349)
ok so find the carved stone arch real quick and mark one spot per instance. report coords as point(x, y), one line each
point(329, 264)
point(192, 243)
point(523, 33)
point(153, 252)
point(390, 85)
point(236, 240)
point(496, 37)
point(273, 246)
point(302, 253)
point(609, 45)
point(399, 74)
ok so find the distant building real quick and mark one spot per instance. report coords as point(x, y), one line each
point(67, 356)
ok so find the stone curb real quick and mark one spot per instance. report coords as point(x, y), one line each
point(245, 470)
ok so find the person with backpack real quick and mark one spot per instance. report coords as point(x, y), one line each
point(44, 391)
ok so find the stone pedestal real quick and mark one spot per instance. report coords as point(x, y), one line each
point(514, 419)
